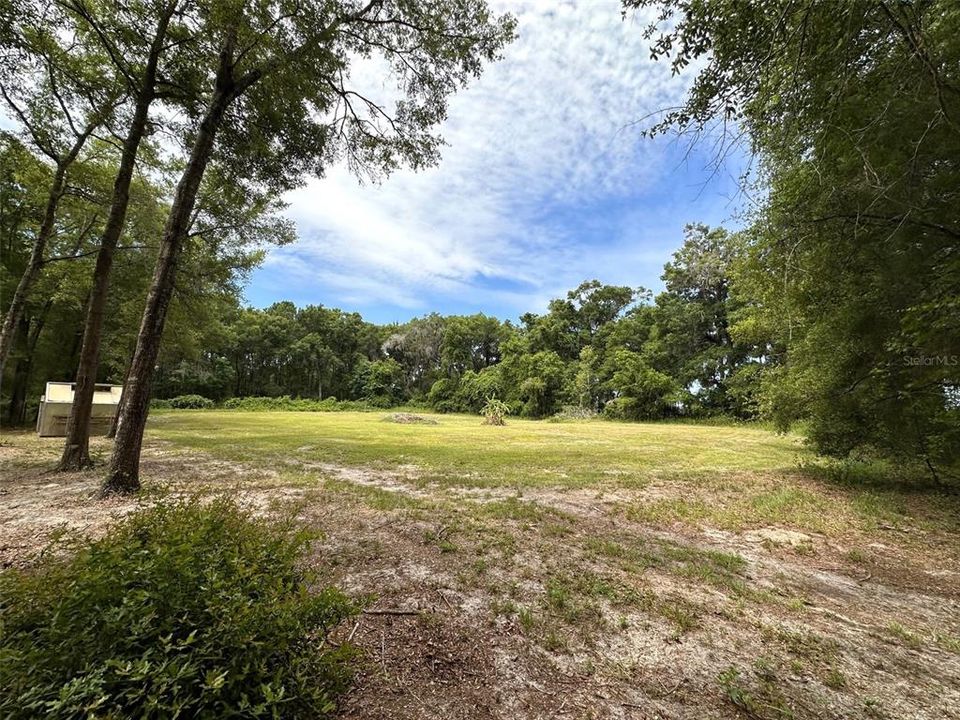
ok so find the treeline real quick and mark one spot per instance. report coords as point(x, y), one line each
point(601, 349)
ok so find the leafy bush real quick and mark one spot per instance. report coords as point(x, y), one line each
point(573, 412)
point(283, 403)
point(191, 402)
point(160, 404)
point(183, 609)
point(619, 408)
point(495, 412)
point(540, 383)
point(468, 393)
point(641, 392)
point(286, 403)
point(441, 395)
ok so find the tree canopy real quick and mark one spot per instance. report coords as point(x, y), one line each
point(850, 267)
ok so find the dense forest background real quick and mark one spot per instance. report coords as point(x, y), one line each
point(837, 305)
point(601, 348)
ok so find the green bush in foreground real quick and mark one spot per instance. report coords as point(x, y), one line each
point(181, 610)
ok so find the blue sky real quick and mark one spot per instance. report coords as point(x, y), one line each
point(545, 182)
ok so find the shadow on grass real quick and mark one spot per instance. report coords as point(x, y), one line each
point(885, 491)
point(883, 475)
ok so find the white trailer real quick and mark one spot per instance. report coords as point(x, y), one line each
point(55, 407)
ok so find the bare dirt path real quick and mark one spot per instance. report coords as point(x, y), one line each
point(485, 604)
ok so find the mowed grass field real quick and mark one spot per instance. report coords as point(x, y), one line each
point(460, 449)
point(731, 476)
point(583, 569)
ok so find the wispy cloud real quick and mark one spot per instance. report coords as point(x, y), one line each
point(543, 183)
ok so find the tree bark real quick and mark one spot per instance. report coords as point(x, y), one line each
point(18, 385)
point(123, 394)
point(76, 451)
point(23, 370)
point(124, 473)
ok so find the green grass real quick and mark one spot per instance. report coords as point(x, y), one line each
point(904, 635)
point(720, 569)
point(732, 477)
point(461, 451)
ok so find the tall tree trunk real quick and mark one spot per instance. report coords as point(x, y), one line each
point(35, 264)
point(76, 450)
point(124, 473)
point(18, 390)
point(123, 394)
point(31, 329)
point(76, 339)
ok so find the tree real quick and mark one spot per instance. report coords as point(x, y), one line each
point(691, 339)
point(60, 93)
point(536, 381)
point(135, 48)
point(596, 305)
point(311, 352)
point(379, 382)
point(471, 343)
point(575, 322)
point(48, 343)
point(59, 286)
point(417, 346)
point(853, 109)
point(286, 61)
point(586, 383)
point(640, 391)
point(223, 249)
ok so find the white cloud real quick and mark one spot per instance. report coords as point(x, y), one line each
point(542, 130)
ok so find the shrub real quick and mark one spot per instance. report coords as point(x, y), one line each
point(446, 406)
point(641, 392)
point(476, 387)
point(618, 408)
point(441, 395)
point(180, 610)
point(286, 403)
point(495, 412)
point(160, 404)
point(573, 412)
point(349, 405)
point(379, 383)
point(191, 402)
point(467, 394)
